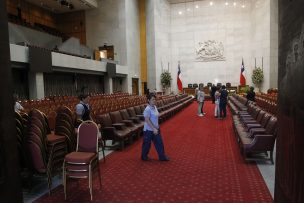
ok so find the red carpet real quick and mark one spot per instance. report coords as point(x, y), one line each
point(205, 166)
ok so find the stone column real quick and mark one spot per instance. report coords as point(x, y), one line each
point(108, 85)
point(36, 85)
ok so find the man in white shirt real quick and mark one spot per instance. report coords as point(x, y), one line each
point(200, 101)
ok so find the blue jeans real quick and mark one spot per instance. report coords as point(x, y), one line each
point(158, 143)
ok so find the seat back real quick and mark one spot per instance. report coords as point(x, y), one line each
point(255, 112)
point(137, 110)
point(124, 114)
point(142, 108)
point(265, 120)
point(271, 125)
point(131, 112)
point(87, 140)
point(260, 116)
point(105, 120)
point(116, 117)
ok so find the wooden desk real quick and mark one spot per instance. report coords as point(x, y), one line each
point(188, 90)
point(232, 90)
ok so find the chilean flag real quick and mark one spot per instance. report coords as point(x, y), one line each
point(242, 75)
point(179, 82)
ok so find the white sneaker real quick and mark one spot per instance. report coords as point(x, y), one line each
point(200, 115)
point(204, 113)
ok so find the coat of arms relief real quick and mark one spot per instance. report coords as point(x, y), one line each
point(210, 50)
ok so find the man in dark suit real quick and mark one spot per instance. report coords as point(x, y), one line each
point(223, 102)
point(213, 90)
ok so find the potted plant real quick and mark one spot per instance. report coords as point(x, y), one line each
point(165, 80)
point(257, 77)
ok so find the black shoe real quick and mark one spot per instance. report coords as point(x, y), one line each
point(165, 159)
point(145, 159)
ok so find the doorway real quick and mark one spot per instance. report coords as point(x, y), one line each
point(135, 86)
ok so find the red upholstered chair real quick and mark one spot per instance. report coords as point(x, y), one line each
point(83, 162)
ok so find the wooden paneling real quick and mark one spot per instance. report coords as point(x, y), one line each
point(73, 24)
point(32, 13)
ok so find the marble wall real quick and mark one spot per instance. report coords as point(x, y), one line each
point(158, 40)
point(248, 32)
point(133, 42)
point(116, 22)
point(244, 33)
point(107, 24)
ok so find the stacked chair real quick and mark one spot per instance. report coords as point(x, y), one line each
point(24, 159)
point(64, 126)
point(46, 151)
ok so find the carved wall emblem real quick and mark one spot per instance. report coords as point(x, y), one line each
point(210, 50)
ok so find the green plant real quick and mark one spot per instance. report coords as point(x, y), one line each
point(257, 76)
point(165, 79)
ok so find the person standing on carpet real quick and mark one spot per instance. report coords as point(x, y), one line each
point(223, 102)
point(217, 95)
point(200, 101)
point(152, 131)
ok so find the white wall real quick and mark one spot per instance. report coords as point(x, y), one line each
point(150, 41)
point(260, 35)
point(274, 43)
point(227, 24)
point(116, 22)
point(107, 24)
point(133, 42)
point(158, 40)
point(249, 33)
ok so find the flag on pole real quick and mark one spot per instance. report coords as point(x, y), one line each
point(179, 82)
point(242, 75)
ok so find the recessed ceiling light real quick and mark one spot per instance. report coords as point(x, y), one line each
point(243, 6)
point(196, 6)
point(180, 13)
point(226, 3)
point(211, 3)
point(234, 3)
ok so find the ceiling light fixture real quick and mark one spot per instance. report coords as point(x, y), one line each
point(180, 13)
point(196, 6)
point(211, 3)
point(226, 3)
point(234, 3)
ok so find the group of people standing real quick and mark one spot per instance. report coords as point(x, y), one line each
point(219, 97)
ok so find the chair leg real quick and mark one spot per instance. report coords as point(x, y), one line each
point(90, 181)
point(271, 157)
point(64, 180)
point(103, 153)
point(98, 168)
point(122, 144)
